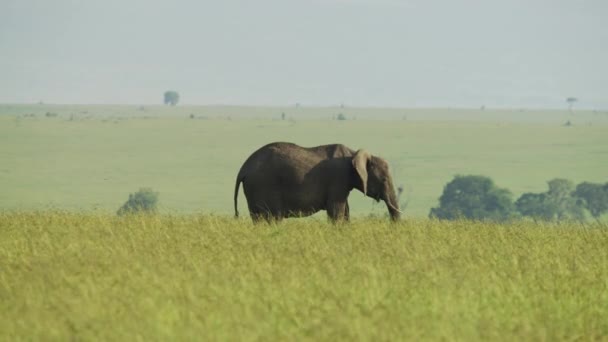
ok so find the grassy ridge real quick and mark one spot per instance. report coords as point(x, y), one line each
point(83, 276)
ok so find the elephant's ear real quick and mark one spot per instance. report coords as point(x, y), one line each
point(360, 164)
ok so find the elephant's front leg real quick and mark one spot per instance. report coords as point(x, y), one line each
point(337, 211)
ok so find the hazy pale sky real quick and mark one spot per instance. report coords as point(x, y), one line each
point(498, 53)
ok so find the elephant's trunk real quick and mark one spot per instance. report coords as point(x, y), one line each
point(392, 204)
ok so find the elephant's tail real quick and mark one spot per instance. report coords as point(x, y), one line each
point(239, 179)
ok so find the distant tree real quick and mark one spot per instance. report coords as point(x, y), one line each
point(474, 197)
point(341, 117)
point(557, 204)
point(143, 201)
point(534, 205)
point(171, 97)
point(571, 101)
point(560, 198)
point(282, 116)
point(593, 196)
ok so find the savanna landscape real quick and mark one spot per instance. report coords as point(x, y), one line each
point(70, 268)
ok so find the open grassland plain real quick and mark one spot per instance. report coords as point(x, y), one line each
point(92, 157)
point(89, 276)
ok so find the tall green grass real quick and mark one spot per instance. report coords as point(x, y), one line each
point(97, 276)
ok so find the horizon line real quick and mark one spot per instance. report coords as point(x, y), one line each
point(300, 105)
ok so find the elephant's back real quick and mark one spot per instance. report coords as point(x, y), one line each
point(282, 155)
point(280, 160)
point(291, 150)
point(289, 159)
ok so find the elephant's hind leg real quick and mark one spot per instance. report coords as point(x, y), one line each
point(264, 213)
point(256, 217)
point(347, 212)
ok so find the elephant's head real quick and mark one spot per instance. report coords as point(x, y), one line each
point(376, 180)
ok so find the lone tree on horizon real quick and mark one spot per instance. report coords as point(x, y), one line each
point(571, 101)
point(171, 97)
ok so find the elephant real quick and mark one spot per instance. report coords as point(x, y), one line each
point(282, 180)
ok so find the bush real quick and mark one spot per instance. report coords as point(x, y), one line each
point(341, 117)
point(143, 201)
point(475, 198)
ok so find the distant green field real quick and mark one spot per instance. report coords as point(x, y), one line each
point(92, 157)
point(90, 276)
